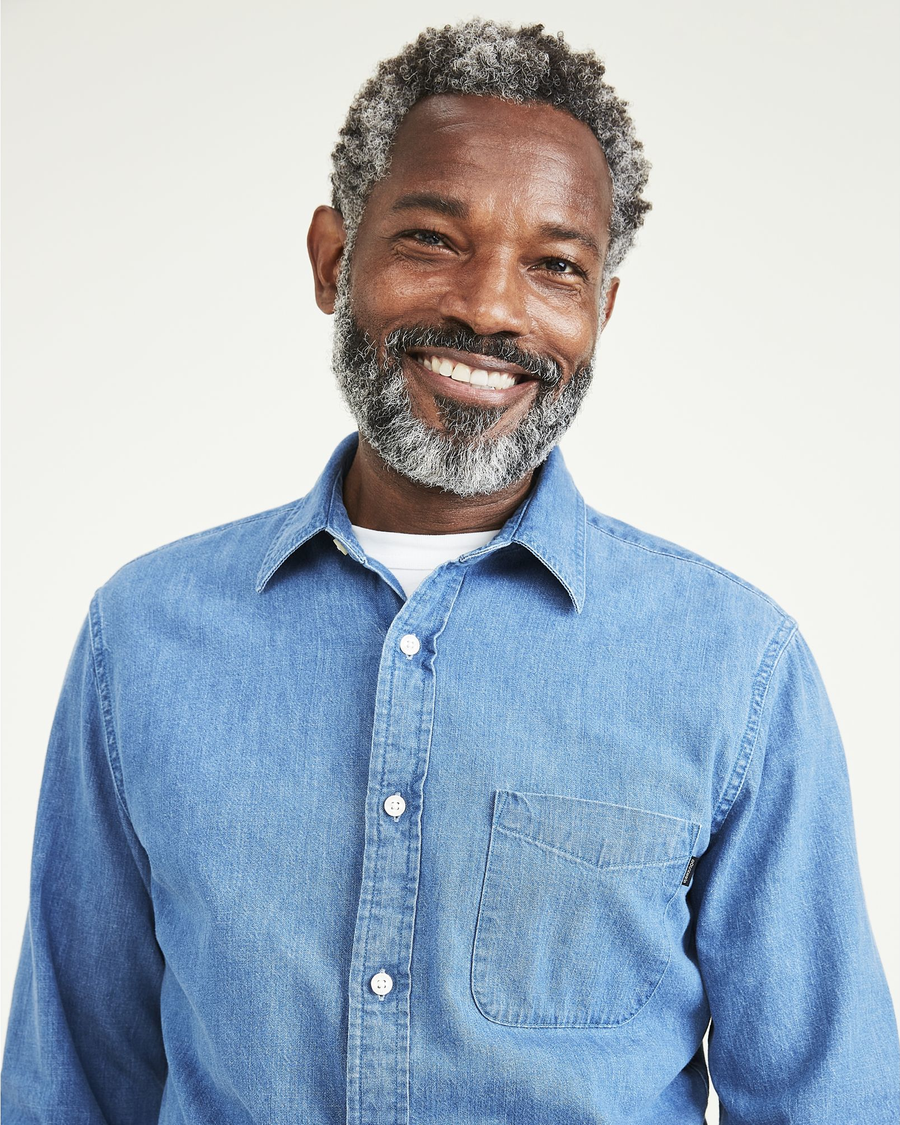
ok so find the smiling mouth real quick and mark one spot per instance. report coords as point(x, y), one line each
point(494, 376)
point(475, 376)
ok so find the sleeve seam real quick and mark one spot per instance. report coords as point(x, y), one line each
point(109, 735)
point(775, 649)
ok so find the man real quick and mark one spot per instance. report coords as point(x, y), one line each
point(438, 796)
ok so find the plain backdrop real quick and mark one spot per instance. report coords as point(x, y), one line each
point(166, 368)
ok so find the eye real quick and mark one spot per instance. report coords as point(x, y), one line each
point(563, 266)
point(425, 237)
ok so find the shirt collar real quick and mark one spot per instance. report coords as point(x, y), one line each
point(549, 522)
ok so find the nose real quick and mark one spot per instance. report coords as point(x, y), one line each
point(487, 295)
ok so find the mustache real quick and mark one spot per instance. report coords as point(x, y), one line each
point(541, 367)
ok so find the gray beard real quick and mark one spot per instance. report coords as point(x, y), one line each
point(463, 459)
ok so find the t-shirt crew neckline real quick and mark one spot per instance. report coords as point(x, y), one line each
point(412, 557)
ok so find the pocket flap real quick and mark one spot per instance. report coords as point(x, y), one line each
point(594, 832)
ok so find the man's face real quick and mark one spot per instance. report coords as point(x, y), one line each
point(479, 254)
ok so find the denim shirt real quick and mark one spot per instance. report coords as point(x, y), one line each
point(308, 852)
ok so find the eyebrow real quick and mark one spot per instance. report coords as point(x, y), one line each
point(567, 234)
point(430, 201)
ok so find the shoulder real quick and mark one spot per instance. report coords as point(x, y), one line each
point(223, 560)
point(680, 579)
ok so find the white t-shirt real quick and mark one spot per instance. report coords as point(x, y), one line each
point(411, 558)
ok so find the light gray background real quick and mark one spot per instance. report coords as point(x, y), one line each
point(167, 370)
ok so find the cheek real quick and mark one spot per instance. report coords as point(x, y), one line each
point(569, 331)
point(384, 291)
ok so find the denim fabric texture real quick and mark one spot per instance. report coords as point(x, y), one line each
point(624, 811)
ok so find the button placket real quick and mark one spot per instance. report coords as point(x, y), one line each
point(378, 1042)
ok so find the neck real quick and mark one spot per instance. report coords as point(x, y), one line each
point(378, 497)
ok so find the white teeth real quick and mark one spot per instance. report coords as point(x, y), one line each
point(499, 380)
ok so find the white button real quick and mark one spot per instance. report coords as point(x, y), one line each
point(340, 546)
point(410, 644)
point(394, 805)
point(381, 984)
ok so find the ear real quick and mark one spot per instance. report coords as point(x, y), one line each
point(325, 243)
point(610, 302)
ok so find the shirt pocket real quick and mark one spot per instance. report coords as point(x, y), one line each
point(571, 928)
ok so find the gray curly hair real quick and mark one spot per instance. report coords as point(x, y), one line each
point(495, 60)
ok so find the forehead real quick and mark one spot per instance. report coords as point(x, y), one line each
point(501, 155)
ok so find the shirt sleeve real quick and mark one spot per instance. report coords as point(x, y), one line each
point(803, 1029)
point(84, 1043)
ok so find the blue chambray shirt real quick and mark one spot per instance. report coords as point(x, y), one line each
point(307, 852)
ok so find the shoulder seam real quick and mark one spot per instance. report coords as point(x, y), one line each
point(762, 681)
point(705, 563)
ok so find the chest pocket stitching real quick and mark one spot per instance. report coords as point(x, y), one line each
point(592, 807)
point(587, 863)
